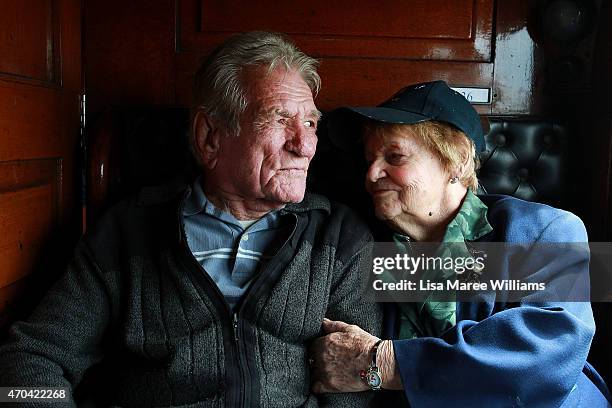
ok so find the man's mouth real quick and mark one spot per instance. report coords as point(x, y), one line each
point(381, 187)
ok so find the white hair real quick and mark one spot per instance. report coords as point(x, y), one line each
point(220, 90)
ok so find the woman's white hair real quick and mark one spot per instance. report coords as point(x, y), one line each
point(451, 146)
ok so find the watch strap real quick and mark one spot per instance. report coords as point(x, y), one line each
point(374, 353)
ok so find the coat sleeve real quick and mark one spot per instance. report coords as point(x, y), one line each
point(61, 339)
point(346, 301)
point(529, 355)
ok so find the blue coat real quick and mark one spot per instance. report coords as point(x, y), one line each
point(510, 355)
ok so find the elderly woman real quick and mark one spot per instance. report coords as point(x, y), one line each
point(421, 148)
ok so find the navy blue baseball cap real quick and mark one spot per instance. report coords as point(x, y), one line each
point(419, 103)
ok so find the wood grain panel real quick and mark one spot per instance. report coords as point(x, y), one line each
point(39, 142)
point(415, 29)
point(29, 111)
point(385, 18)
point(26, 218)
point(366, 82)
point(378, 80)
point(29, 40)
point(29, 211)
point(130, 53)
point(517, 68)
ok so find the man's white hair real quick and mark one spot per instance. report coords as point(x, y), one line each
point(220, 90)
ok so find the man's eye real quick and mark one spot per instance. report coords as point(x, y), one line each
point(283, 121)
point(310, 123)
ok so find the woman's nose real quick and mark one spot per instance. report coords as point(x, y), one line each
point(375, 172)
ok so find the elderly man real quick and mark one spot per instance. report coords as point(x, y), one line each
point(209, 295)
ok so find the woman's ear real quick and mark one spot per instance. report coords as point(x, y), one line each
point(464, 164)
point(206, 137)
point(460, 170)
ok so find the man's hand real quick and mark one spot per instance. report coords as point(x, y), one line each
point(338, 357)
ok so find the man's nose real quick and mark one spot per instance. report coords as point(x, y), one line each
point(302, 142)
point(375, 172)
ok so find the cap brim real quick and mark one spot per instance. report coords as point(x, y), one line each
point(344, 124)
point(389, 115)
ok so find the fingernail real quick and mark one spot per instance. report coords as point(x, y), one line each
point(326, 320)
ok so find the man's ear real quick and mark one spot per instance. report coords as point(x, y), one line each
point(206, 137)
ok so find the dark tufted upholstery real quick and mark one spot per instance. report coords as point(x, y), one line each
point(528, 159)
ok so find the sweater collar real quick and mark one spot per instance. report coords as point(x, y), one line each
point(149, 196)
point(470, 223)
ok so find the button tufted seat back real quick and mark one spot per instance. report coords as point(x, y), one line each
point(528, 159)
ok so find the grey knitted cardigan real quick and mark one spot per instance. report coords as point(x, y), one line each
point(137, 306)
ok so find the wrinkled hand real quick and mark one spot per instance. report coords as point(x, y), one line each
point(338, 357)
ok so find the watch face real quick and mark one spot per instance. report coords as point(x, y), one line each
point(374, 379)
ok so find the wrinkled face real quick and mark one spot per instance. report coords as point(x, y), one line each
point(270, 157)
point(404, 178)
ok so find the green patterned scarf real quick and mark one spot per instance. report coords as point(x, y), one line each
point(431, 317)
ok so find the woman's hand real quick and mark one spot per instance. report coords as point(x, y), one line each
point(337, 358)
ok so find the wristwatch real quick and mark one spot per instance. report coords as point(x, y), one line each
point(371, 376)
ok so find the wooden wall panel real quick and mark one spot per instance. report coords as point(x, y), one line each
point(39, 140)
point(29, 40)
point(517, 64)
point(363, 60)
point(29, 211)
point(377, 81)
point(440, 30)
point(26, 218)
point(129, 53)
point(341, 18)
point(365, 81)
point(142, 52)
point(27, 111)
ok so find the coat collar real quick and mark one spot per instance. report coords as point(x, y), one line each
point(470, 223)
point(149, 196)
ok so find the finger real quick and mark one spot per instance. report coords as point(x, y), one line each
point(331, 326)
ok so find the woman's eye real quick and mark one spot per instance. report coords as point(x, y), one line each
point(395, 158)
